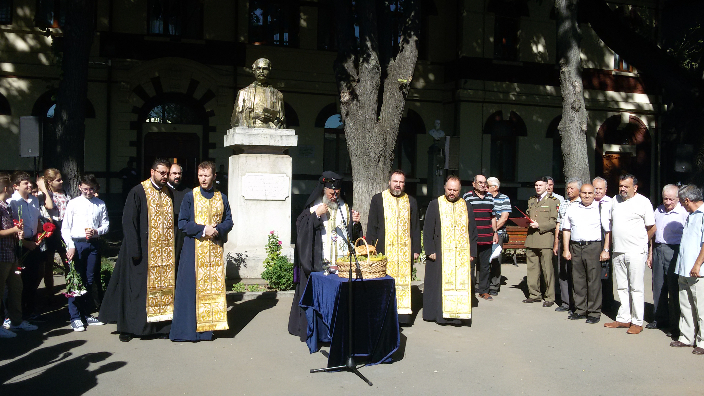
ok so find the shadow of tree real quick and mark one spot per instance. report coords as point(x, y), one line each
point(51, 324)
point(240, 314)
point(53, 370)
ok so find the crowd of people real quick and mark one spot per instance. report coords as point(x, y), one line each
point(174, 235)
point(149, 295)
point(574, 245)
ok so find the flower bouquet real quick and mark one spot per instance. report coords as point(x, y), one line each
point(74, 286)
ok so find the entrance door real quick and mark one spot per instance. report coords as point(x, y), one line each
point(181, 148)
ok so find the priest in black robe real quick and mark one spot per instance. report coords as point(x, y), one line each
point(400, 243)
point(205, 218)
point(139, 297)
point(325, 214)
point(449, 301)
point(178, 190)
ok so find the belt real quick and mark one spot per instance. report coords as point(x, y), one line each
point(584, 243)
point(91, 240)
point(668, 244)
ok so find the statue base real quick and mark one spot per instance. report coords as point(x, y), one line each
point(259, 190)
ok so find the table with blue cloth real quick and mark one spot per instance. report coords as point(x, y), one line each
point(376, 332)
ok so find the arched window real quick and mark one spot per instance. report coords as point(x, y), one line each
point(406, 143)
point(504, 143)
point(335, 155)
point(174, 109)
point(4, 106)
point(46, 104)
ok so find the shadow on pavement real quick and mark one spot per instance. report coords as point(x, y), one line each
point(67, 374)
point(51, 324)
point(239, 316)
point(523, 285)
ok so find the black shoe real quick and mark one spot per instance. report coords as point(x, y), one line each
point(593, 319)
point(577, 316)
point(652, 325)
point(562, 309)
point(125, 337)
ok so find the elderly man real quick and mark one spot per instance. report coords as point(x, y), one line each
point(690, 273)
point(325, 215)
point(502, 210)
point(259, 105)
point(450, 241)
point(632, 225)
point(582, 226)
point(483, 206)
point(607, 282)
point(394, 228)
point(563, 267)
point(670, 218)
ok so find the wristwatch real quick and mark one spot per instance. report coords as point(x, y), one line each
point(606, 250)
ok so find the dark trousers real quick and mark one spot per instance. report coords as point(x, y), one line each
point(484, 269)
point(586, 278)
point(31, 278)
point(563, 273)
point(87, 264)
point(665, 289)
point(495, 281)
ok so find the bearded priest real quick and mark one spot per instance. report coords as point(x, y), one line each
point(200, 306)
point(318, 243)
point(394, 228)
point(450, 241)
point(140, 295)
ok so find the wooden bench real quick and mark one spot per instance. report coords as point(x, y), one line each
point(516, 240)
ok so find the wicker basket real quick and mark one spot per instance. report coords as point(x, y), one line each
point(370, 269)
point(365, 250)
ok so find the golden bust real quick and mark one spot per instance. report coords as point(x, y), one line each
point(259, 105)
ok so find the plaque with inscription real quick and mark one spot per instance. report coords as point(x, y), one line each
point(266, 186)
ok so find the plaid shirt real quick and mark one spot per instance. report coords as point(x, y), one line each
point(7, 244)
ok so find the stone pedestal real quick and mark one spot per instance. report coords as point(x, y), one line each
point(259, 187)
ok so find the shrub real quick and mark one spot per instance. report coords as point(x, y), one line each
point(278, 270)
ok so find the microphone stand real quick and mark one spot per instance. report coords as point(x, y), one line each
point(349, 360)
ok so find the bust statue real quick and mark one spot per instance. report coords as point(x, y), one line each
point(259, 105)
point(437, 133)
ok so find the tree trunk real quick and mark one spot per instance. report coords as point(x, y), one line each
point(64, 146)
point(573, 126)
point(373, 85)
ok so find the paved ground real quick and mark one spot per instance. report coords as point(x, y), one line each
point(511, 348)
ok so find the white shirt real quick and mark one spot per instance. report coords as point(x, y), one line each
point(30, 212)
point(584, 222)
point(628, 221)
point(334, 245)
point(82, 213)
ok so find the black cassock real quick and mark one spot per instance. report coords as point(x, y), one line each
point(376, 230)
point(432, 241)
point(125, 301)
point(178, 192)
point(309, 258)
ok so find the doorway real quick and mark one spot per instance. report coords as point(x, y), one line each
point(177, 147)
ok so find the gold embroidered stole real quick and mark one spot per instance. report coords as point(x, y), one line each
point(397, 227)
point(211, 306)
point(161, 259)
point(456, 270)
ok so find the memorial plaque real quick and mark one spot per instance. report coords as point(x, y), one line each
point(265, 186)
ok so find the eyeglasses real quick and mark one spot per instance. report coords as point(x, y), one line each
point(481, 183)
point(491, 185)
point(87, 189)
point(163, 173)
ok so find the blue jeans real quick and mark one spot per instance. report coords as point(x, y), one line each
point(87, 263)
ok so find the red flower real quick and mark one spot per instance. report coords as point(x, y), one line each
point(271, 232)
point(49, 227)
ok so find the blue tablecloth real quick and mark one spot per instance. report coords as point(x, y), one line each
point(376, 332)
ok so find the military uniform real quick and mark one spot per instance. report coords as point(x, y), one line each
point(539, 244)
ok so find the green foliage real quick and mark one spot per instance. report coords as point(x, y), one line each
point(106, 268)
point(278, 270)
point(240, 287)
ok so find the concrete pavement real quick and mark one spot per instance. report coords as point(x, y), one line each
point(511, 348)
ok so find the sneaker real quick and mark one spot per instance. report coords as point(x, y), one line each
point(77, 325)
point(6, 324)
point(92, 321)
point(26, 326)
point(5, 333)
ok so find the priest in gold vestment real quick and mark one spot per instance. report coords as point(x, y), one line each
point(140, 295)
point(450, 241)
point(205, 218)
point(394, 228)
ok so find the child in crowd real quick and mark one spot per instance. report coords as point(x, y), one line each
point(26, 207)
point(10, 235)
point(85, 220)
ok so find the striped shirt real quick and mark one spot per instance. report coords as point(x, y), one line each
point(502, 204)
point(483, 214)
